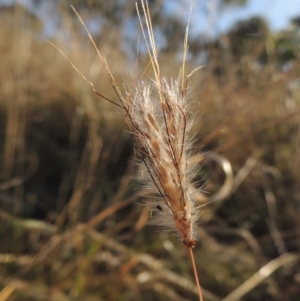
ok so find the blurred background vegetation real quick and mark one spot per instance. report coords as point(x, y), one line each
point(71, 227)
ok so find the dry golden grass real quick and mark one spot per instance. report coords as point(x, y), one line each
point(70, 228)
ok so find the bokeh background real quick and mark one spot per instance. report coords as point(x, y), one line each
point(72, 226)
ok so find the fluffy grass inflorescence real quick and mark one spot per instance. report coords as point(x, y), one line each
point(156, 114)
point(158, 120)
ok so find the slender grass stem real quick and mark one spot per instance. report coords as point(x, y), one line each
point(196, 274)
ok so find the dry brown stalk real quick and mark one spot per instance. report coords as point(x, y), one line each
point(156, 114)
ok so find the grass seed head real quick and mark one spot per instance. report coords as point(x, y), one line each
point(156, 114)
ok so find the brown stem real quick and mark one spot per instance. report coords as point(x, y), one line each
point(196, 274)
